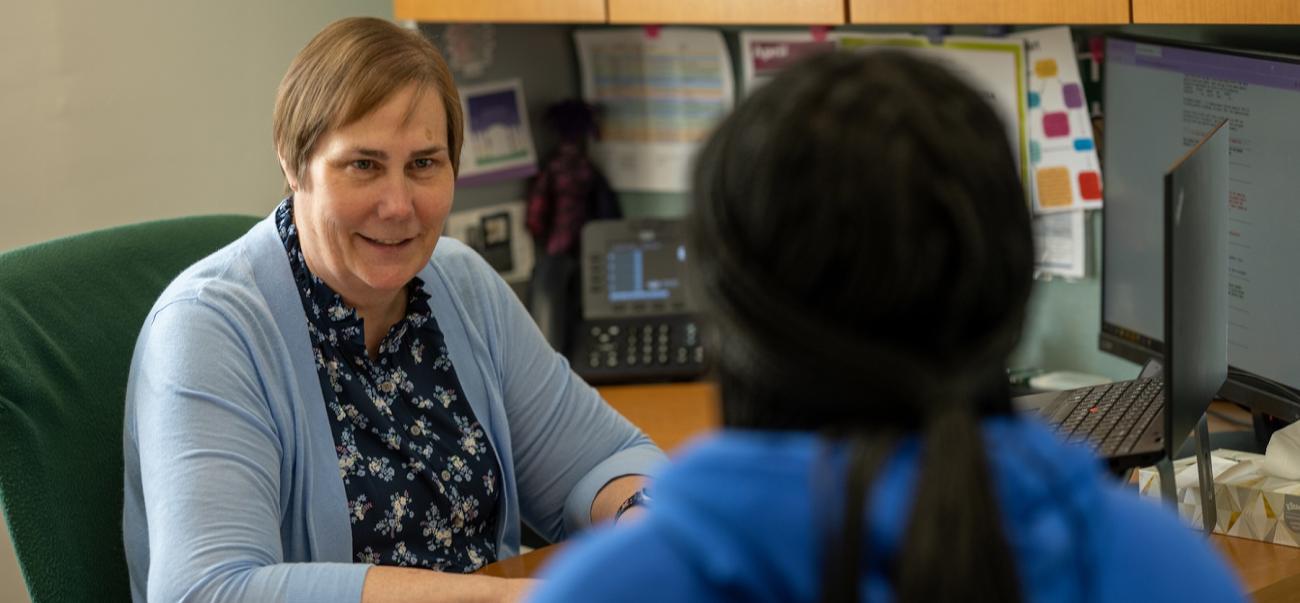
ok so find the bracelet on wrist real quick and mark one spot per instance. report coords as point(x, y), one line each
point(640, 498)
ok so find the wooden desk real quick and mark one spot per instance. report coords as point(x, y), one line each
point(671, 414)
point(523, 566)
point(1270, 573)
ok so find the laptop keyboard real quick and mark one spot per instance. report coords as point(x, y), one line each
point(1112, 416)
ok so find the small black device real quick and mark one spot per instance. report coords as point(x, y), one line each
point(639, 323)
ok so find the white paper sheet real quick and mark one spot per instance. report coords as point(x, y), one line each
point(660, 96)
point(763, 53)
point(1060, 241)
point(1063, 162)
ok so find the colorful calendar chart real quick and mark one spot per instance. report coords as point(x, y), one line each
point(1065, 172)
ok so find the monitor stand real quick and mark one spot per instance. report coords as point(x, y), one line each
point(1205, 469)
point(1204, 466)
point(1205, 473)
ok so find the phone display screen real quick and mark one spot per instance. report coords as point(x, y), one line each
point(645, 271)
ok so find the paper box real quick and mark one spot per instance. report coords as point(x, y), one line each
point(1249, 502)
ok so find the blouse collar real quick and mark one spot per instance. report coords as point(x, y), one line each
point(325, 307)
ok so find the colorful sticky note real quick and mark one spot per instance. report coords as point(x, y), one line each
point(1045, 68)
point(1073, 96)
point(1035, 152)
point(1034, 100)
point(1090, 185)
point(1083, 144)
point(1054, 187)
point(1056, 124)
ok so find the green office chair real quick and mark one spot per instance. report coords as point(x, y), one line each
point(70, 311)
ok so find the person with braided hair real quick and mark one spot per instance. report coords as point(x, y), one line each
point(863, 247)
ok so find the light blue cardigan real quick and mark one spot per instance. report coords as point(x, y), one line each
point(233, 490)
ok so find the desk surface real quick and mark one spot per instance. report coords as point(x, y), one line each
point(523, 566)
point(671, 414)
point(1270, 573)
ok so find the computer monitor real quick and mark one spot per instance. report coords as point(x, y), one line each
point(1196, 282)
point(1160, 99)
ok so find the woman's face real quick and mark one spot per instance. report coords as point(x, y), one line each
point(377, 194)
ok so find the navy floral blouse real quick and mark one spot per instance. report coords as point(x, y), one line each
point(420, 474)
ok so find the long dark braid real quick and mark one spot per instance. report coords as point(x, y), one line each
point(862, 242)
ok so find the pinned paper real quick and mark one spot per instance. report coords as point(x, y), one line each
point(661, 97)
point(1060, 128)
point(498, 142)
point(1060, 244)
point(764, 53)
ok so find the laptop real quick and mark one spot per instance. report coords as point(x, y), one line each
point(1138, 422)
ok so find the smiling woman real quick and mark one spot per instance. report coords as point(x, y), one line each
point(340, 406)
point(372, 204)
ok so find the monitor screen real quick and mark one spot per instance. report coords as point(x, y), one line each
point(645, 270)
point(1160, 99)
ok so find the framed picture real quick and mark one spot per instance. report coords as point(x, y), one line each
point(497, 233)
point(498, 142)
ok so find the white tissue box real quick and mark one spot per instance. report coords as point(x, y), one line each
point(1249, 503)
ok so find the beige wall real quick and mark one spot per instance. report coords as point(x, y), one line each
point(11, 580)
point(117, 112)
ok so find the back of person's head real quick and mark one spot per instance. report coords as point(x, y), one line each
point(861, 240)
point(348, 70)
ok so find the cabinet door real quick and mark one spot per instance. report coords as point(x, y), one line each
point(1217, 11)
point(991, 12)
point(727, 12)
point(500, 11)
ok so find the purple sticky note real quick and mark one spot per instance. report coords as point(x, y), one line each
point(1056, 125)
point(1073, 96)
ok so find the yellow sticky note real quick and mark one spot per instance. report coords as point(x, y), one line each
point(1045, 68)
point(1054, 187)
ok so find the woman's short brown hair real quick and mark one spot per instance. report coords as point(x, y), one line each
point(348, 70)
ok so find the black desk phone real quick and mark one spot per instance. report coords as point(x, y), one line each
point(638, 323)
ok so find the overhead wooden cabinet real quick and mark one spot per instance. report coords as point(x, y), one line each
point(992, 12)
point(500, 11)
point(1278, 12)
point(727, 12)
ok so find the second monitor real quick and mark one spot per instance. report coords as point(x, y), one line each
point(1161, 97)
